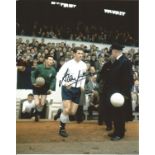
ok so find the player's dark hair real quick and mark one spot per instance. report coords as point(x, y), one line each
point(77, 49)
point(48, 55)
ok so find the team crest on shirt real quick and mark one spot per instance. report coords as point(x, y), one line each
point(50, 75)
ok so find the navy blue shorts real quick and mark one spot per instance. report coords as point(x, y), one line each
point(40, 90)
point(72, 94)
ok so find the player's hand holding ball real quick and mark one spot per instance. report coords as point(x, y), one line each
point(40, 82)
point(49, 92)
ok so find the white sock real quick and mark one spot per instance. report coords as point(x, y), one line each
point(64, 118)
point(39, 108)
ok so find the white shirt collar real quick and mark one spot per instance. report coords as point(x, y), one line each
point(119, 56)
point(76, 61)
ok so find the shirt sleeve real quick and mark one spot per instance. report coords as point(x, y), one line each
point(53, 80)
point(127, 81)
point(33, 103)
point(84, 79)
point(24, 107)
point(61, 73)
point(34, 74)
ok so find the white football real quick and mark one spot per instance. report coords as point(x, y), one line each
point(40, 81)
point(117, 99)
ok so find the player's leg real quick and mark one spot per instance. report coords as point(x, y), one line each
point(42, 102)
point(43, 99)
point(74, 107)
point(37, 103)
point(36, 100)
point(75, 100)
point(66, 109)
point(64, 117)
point(40, 106)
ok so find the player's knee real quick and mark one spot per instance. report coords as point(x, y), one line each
point(67, 111)
point(42, 103)
point(37, 103)
point(72, 112)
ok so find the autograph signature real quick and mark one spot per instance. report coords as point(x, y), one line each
point(68, 78)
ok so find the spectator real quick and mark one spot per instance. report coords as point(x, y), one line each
point(23, 73)
point(135, 96)
point(93, 104)
point(28, 107)
point(92, 70)
point(82, 32)
point(91, 88)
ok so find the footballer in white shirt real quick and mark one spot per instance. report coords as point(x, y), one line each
point(71, 77)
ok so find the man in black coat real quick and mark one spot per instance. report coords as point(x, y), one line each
point(117, 77)
point(104, 107)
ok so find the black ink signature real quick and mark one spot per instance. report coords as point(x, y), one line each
point(68, 78)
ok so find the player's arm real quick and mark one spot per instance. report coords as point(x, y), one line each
point(53, 79)
point(84, 79)
point(34, 74)
point(127, 77)
point(23, 107)
point(60, 75)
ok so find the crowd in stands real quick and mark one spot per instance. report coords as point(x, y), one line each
point(79, 32)
point(31, 53)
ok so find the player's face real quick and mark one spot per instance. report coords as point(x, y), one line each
point(49, 61)
point(78, 55)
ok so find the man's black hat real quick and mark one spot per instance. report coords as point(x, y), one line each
point(117, 46)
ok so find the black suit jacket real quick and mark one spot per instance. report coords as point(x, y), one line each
point(117, 77)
